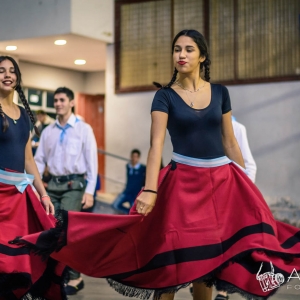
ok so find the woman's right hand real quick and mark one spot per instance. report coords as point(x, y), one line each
point(48, 205)
point(145, 203)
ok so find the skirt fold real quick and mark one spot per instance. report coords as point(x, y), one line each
point(23, 275)
point(209, 225)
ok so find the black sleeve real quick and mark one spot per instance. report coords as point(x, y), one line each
point(161, 102)
point(226, 104)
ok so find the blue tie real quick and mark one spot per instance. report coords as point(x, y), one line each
point(63, 131)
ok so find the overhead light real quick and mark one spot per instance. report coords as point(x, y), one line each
point(60, 42)
point(11, 48)
point(79, 62)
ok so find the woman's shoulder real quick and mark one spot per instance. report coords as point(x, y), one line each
point(162, 92)
point(218, 86)
point(220, 91)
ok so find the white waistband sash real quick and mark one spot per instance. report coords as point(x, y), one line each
point(199, 162)
point(20, 180)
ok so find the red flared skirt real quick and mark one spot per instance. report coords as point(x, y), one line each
point(208, 224)
point(24, 275)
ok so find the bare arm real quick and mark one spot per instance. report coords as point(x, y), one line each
point(31, 168)
point(230, 144)
point(91, 158)
point(146, 201)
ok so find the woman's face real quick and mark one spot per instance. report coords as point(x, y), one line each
point(8, 77)
point(186, 55)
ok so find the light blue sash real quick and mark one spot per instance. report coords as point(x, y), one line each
point(204, 163)
point(199, 162)
point(20, 180)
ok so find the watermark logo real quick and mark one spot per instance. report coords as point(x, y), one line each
point(269, 281)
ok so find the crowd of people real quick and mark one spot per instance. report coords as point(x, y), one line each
point(200, 221)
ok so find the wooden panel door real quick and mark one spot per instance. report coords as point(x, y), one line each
point(91, 108)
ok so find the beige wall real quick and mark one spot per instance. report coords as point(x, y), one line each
point(127, 126)
point(50, 78)
point(94, 83)
point(93, 18)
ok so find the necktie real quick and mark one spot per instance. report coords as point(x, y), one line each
point(63, 131)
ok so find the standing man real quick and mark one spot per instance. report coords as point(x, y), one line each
point(136, 174)
point(68, 148)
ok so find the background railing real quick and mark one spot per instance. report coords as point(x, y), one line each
point(104, 178)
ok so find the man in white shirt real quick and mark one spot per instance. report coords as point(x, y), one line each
point(68, 148)
point(241, 137)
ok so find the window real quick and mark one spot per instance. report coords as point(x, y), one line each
point(39, 100)
point(249, 40)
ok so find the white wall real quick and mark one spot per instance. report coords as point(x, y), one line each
point(37, 18)
point(271, 113)
point(93, 18)
point(50, 78)
point(34, 18)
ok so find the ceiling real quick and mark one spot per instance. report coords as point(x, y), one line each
point(43, 51)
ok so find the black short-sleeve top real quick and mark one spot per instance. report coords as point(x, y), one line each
point(194, 132)
point(13, 142)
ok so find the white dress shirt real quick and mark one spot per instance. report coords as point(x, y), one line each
point(241, 136)
point(69, 151)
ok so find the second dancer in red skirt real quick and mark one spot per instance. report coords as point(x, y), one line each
point(23, 275)
point(200, 219)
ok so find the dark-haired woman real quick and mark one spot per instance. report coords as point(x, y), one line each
point(22, 275)
point(200, 219)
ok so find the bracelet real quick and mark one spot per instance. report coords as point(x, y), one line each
point(150, 191)
point(44, 196)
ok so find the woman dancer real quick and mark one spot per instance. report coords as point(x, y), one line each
point(22, 275)
point(200, 219)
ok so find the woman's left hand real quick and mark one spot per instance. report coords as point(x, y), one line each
point(48, 205)
point(145, 203)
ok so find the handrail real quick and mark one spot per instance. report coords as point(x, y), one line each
point(110, 179)
point(101, 151)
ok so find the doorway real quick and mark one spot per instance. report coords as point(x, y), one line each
point(91, 108)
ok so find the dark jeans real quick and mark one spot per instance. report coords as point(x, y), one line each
point(67, 196)
point(121, 199)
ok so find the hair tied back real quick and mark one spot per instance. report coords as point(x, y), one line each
point(158, 85)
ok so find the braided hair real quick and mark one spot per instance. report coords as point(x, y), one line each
point(18, 88)
point(203, 48)
point(5, 123)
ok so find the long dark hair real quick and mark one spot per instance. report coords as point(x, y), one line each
point(18, 88)
point(203, 48)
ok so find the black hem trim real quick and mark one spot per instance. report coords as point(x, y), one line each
point(209, 279)
point(52, 240)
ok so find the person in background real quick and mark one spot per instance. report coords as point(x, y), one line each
point(25, 207)
point(68, 148)
point(136, 173)
point(43, 120)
